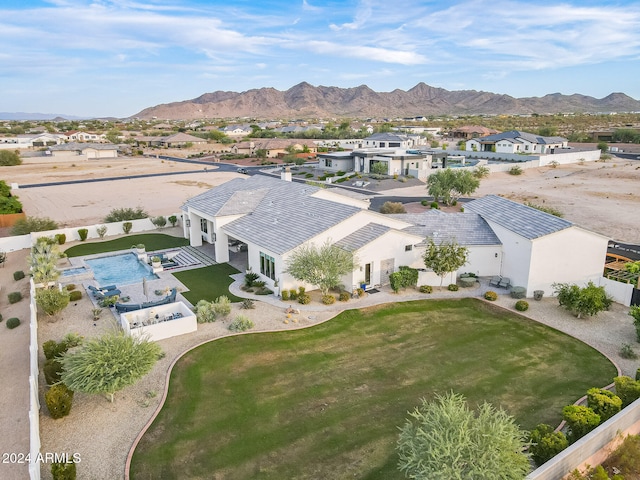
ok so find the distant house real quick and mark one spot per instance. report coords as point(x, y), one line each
point(274, 147)
point(515, 141)
point(472, 131)
point(391, 161)
point(237, 130)
point(80, 136)
point(30, 140)
point(392, 140)
point(90, 150)
point(175, 140)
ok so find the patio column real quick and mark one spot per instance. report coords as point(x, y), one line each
point(195, 237)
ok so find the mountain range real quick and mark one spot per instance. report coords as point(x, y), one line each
point(306, 101)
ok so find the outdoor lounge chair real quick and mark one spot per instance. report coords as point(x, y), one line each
point(106, 294)
point(495, 281)
point(95, 290)
point(504, 283)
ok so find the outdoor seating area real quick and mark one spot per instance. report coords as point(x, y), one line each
point(500, 282)
point(100, 293)
point(131, 307)
point(160, 321)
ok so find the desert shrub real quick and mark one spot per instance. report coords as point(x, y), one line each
point(424, 203)
point(435, 205)
point(304, 298)
point(60, 238)
point(18, 275)
point(52, 349)
point(284, 294)
point(75, 295)
point(426, 289)
point(392, 207)
point(580, 420)
point(10, 205)
point(263, 291)
point(545, 443)
point(101, 230)
point(603, 402)
point(70, 287)
point(83, 233)
point(14, 297)
point(328, 299)
point(204, 312)
point(247, 304)
point(159, 221)
point(52, 369)
point(33, 224)
point(360, 291)
point(52, 300)
point(515, 170)
point(12, 323)
point(627, 389)
point(301, 290)
point(452, 287)
point(491, 295)
point(293, 294)
point(221, 306)
point(522, 305)
point(173, 220)
point(126, 227)
point(63, 471)
point(240, 324)
point(9, 158)
point(344, 296)
point(259, 284)
point(250, 278)
point(122, 214)
point(59, 399)
point(404, 277)
point(626, 351)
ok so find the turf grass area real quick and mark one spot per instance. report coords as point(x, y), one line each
point(325, 402)
point(207, 283)
point(152, 242)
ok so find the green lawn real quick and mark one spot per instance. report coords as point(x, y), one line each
point(152, 241)
point(326, 402)
point(207, 283)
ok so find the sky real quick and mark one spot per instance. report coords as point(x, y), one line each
point(116, 57)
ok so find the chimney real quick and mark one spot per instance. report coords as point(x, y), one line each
point(285, 174)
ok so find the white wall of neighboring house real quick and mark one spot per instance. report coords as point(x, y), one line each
point(571, 255)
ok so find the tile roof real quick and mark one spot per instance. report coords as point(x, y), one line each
point(516, 135)
point(362, 236)
point(465, 228)
point(279, 215)
point(528, 222)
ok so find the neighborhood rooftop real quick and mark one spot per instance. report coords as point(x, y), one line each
point(362, 236)
point(526, 221)
point(516, 135)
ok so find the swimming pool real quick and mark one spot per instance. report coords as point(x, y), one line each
point(123, 269)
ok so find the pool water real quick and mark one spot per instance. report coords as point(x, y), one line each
point(67, 272)
point(123, 269)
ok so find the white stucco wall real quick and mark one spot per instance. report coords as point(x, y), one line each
point(516, 255)
point(482, 260)
point(572, 255)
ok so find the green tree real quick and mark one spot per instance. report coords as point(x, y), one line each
point(10, 205)
point(379, 168)
point(449, 184)
point(603, 146)
point(261, 153)
point(43, 260)
point(626, 135)
point(445, 440)
point(113, 136)
point(5, 190)
point(322, 266)
point(444, 258)
point(588, 300)
point(547, 131)
point(33, 224)
point(107, 364)
point(8, 158)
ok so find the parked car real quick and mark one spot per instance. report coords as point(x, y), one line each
point(243, 170)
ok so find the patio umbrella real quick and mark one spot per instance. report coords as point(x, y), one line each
point(144, 288)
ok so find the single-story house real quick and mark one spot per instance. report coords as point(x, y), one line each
point(472, 131)
point(80, 136)
point(175, 140)
point(90, 150)
point(515, 141)
point(417, 163)
point(274, 147)
point(272, 217)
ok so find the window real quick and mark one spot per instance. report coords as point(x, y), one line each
point(204, 227)
point(267, 266)
point(408, 248)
